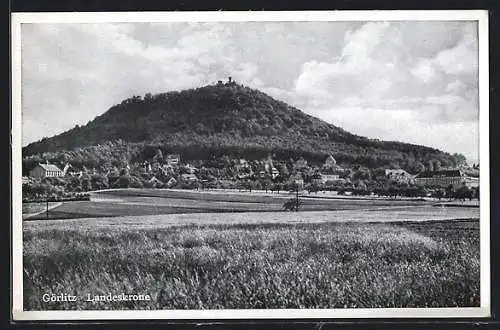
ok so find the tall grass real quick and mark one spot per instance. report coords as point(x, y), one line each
point(327, 265)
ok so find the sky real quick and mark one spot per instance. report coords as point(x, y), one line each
point(409, 81)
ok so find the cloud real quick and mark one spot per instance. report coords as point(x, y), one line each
point(403, 125)
point(368, 66)
point(384, 86)
point(455, 87)
point(424, 71)
point(378, 69)
point(83, 69)
point(462, 58)
point(360, 45)
point(391, 80)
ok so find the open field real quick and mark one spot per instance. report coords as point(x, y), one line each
point(32, 208)
point(199, 250)
point(162, 201)
point(415, 214)
point(459, 203)
point(228, 263)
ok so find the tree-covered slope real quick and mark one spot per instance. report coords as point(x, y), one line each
point(231, 118)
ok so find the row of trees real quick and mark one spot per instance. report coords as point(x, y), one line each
point(461, 193)
point(238, 120)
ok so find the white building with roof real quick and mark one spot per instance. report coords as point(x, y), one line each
point(46, 171)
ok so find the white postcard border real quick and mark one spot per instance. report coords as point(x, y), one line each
point(390, 15)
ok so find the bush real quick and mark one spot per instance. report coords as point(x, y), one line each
point(122, 182)
point(135, 182)
point(292, 204)
point(361, 192)
point(463, 193)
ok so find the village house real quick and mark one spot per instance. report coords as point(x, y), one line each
point(301, 163)
point(330, 165)
point(321, 178)
point(189, 177)
point(146, 167)
point(173, 159)
point(316, 179)
point(74, 171)
point(296, 179)
point(269, 169)
point(330, 162)
point(65, 169)
point(268, 164)
point(190, 169)
point(46, 171)
point(155, 182)
point(330, 178)
point(166, 169)
point(155, 166)
point(445, 178)
point(244, 169)
point(274, 173)
point(471, 182)
point(243, 164)
point(171, 182)
point(399, 176)
point(242, 176)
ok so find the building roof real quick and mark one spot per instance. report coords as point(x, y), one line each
point(398, 171)
point(50, 167)
point(329, 175)
point(330, 159)
point(442, 173)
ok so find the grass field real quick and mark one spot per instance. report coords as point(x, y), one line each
point(161, 201)
point(231, 264)
point(30, 208)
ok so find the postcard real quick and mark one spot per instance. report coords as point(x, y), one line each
point(250, 165)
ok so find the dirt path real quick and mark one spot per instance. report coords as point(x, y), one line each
point(28, 215)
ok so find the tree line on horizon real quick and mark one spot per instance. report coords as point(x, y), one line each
point(217, 120)
point(120, 153)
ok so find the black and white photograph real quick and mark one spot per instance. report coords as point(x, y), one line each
point(175, 165)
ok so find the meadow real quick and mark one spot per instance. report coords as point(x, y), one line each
point(163, 201)
point(226, 263)
point(31, 208)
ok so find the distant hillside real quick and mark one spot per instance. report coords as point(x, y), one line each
point(232, 119)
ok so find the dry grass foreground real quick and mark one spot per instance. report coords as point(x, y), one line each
point(215, 266)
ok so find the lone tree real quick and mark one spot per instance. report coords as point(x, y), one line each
point(463, 193)
point(158, 156)
point(293, 204)
point(450, 191)
point(430, 166)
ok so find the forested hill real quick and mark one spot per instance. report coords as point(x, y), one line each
point(231, 119)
